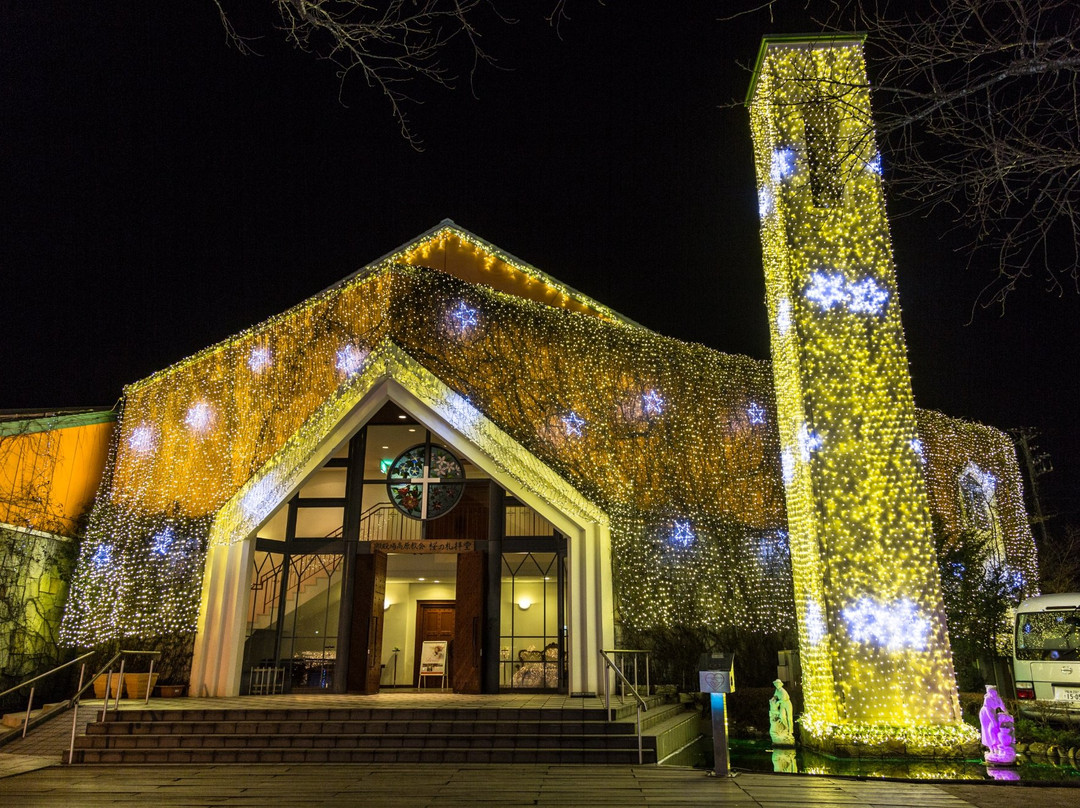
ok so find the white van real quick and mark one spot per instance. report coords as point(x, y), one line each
point(1046, 654)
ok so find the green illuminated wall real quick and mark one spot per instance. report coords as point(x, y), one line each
point(876, 658)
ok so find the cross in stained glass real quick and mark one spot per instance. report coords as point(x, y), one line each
point(425, 481)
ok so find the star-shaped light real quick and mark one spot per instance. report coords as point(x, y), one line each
point(755, 413)
point(682, 534)
point(464, 317)
point(652, 403)
point(103, 556)
point(574, 424)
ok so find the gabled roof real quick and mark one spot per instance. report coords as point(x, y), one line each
point(453, 249)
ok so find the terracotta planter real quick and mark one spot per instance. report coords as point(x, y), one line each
point(170, 691)
point(136, 684)
point(99, 685)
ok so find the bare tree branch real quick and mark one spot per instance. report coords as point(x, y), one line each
point(978, 112)
point(388, 43)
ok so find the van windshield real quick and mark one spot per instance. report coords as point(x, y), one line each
point(1048, 635)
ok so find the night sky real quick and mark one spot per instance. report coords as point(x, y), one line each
point(161, 191)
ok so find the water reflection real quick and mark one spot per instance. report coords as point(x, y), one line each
point(759, 756)
point(783, 760)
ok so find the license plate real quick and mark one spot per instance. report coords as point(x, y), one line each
point(1067, 694)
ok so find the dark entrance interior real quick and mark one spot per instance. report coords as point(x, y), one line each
point(324, 614)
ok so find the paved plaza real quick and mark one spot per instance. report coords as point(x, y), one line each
point(31, 775)
point(408, 786)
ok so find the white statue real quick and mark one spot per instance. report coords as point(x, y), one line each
point(997, 729)
point(781, 724)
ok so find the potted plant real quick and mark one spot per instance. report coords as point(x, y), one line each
point(170, 689)
point(136, 685)
point(102, 681)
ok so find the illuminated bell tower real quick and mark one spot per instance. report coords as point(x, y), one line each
point(875, 654)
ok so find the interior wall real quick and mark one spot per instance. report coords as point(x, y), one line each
point(399, 628)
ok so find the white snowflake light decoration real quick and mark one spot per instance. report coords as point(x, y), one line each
point(783, 164)
point(867, 297)
point(103, 556)
point(143, 439)
point(260, 358)
point(162, 542)
point(200, 417)
point(826, 290)
point(350, 359)
point(783, 316)
point(892, 625)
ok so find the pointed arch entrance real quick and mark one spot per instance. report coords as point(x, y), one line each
point(391, 376)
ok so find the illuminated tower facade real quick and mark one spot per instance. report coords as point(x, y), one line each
point(875, 653)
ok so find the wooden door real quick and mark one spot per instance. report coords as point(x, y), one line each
point(365, 647)
point(434, 621)
point(471, 589)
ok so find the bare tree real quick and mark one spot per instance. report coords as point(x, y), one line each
point(979, 111)
point(389, 43)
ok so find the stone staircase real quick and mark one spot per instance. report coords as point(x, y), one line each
point(387, 735)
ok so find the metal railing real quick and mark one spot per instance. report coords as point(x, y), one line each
point(33, 685)
point(107, 669)
point(612, 665)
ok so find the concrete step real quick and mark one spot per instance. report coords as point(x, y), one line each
point(627, 710)
point(17, 719)
point(562, 735)
point(371, 727)
point(625, 757)
point(333, 741)
point(675, 733)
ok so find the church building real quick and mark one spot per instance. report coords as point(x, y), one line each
point(452, 470)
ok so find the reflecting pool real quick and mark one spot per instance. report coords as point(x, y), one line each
point(759, 756)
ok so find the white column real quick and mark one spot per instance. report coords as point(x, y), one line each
point(215, 668)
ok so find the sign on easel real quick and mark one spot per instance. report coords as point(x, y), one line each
point(433, 654)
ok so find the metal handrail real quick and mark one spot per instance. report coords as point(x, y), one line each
point(74, 703)
point(38, 678)
point(634, 652)
point(641, 705)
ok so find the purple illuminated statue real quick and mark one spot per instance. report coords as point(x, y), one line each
point(997, 729)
